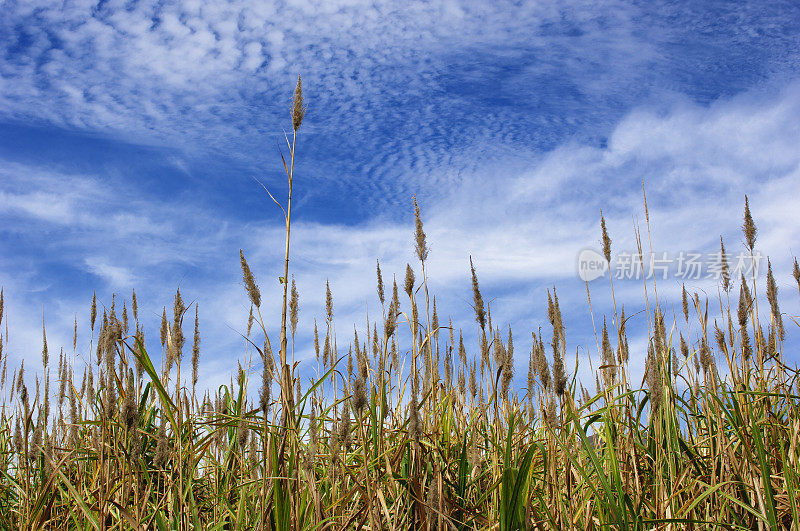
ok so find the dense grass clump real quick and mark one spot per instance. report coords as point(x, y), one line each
point(411, 428)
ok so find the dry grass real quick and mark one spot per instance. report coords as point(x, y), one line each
point(411, 429)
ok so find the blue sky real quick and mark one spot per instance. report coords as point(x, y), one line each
point(130, 133)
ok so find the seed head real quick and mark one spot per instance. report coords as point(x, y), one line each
point(391, 317)
point(249, 281)
point(745, 301)
point(473, 385)
point(724, 268)
point(654, 383)
point(771, 346)
point(242, 435)
point(326, 349)
point(160, 458)
point(448, 366)
point(685, 300)
point(706, 358)
point(550, 416)
point(542, 367)
point(749, 228)
point(359, 395)
point(719, 336)
point(381, 294)
point(179, 308)
point(293, 306)
point(610, 372)
point(772, 297)
point(420, 246)
point(606, 239)
point(316, 343)
point(395, 355)
point(129, 407)
point(17, 436)
point(195, 347)
point(266, 387)
point(298, 109)
point(344, 427)
point(409, 285)
point(328, 302)
point(93, 311)
point(164, 327)
point(622, 347)
point(532, 370)
point(559, 375)
point(45, 356)
point(480, 312)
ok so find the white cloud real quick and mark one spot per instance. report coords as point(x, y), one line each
point(117, 277)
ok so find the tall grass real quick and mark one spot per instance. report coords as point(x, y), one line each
point(410, 428)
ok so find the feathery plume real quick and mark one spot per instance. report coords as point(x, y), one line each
point(164, 327)
point(298, 109)
point(93, 311)
point(610, 372)
point(129, 407)
point(473, 384)
point(160, 458)
point(706, 358)
point(532, 369)
point(606, 239)
point(675, 364)
point(719, 336)
point(420, 245)
point(293, 307)
point(249, 281)
point(135, 306)
point(390, 323)
point(653, 376)
point(772, 297)
point(749, 228)
point(266, 381)
point(328, 302)
point(381, 294)
point(745, 301)
point(685, 301)
point(409, 282)
point(195, 347)
point(45, 356)
point(177, 332)
point(559, 374)
point(542, 368)
point(724, 268)
point(316, 343)
point(480, 313)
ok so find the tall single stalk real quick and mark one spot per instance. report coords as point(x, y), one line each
point(298, 112)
